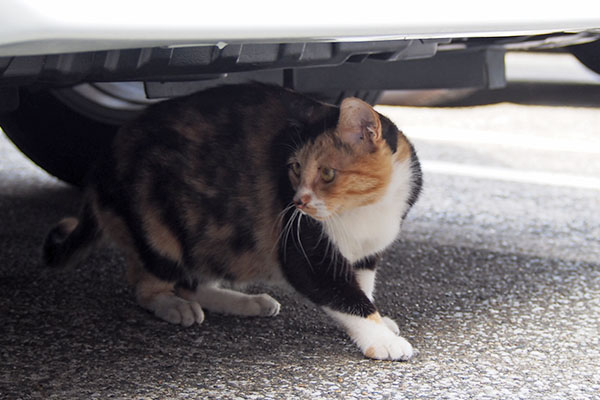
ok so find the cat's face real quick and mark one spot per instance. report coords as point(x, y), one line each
point(342, 169)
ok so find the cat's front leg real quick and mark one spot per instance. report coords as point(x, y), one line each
point(330, 281)
point(343, 299)
point(365, 271)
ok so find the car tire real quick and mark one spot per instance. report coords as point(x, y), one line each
point(588, 54)
point(58, 139)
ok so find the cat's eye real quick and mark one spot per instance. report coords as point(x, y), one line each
point(295, 166)
point(327, 174)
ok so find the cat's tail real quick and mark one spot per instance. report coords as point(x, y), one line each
point(71, 240)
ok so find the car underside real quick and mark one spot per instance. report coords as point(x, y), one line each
point(62, 107)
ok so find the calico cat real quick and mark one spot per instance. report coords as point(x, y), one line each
point(248, 183)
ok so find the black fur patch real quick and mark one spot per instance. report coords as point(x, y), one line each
point(389, 132)
point(322, 274)
point(367, 263)
point(51, 250)
point(243, 238)
point(62, 249)
point(417, 179)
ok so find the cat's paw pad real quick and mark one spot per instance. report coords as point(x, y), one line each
point(262, 305)
point(391, 325)
point(389, 347)
point(176, 310)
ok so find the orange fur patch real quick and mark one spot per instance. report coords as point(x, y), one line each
point(157, 233)
point(370, 352)
point(403, 148)
point(161, 237)
point(250, 265)
point(147, 285)
point(68, 224)
point(364, 182)
point(375, 317)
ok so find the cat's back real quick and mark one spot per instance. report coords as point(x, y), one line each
point(227, 112)
point(230, 128)
point(216, 127)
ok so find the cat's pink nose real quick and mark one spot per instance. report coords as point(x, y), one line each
point(302, 201)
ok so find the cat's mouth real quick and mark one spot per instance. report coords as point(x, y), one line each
point(314, 212)
point(306, 210)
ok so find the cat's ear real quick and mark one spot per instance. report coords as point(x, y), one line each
point(358, 122)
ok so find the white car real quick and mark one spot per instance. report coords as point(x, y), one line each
point(72, 72)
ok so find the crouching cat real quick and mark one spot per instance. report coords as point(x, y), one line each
point(249, 183)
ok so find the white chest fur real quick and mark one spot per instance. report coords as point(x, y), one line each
point(370, 229)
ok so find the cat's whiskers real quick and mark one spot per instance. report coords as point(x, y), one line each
point(278, 224)
point(336, 225)
point(279, 220)
point(342, 228)
point(296, 217)
point(349, 237)
point(286, 231)
point(293, 147)
point(300, 215)
point(321, 236)
point(295, 139)
point(330, 245)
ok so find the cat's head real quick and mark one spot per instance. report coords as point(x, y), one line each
point(343, 168)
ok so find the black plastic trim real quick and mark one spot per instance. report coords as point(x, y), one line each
point(198, 62)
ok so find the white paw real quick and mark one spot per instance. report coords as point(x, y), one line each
point(261, 305)
point(391, 324)
point(388, 347)
point(374, 335)
point(176, 310)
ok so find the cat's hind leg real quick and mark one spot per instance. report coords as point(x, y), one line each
point(226, 301)
point(159, 297)
point(153, 255)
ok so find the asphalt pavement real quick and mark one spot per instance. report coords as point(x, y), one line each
point(495, 281)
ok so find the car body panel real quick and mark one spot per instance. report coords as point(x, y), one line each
point(30, 27)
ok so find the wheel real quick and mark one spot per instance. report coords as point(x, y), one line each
point(58, 139)
point(64, 131)
point(588, 54)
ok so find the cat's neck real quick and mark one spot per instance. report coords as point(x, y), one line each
point(367, 230)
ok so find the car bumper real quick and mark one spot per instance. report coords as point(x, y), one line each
point(33, 27)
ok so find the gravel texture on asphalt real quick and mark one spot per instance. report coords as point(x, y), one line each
point(496, 284)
